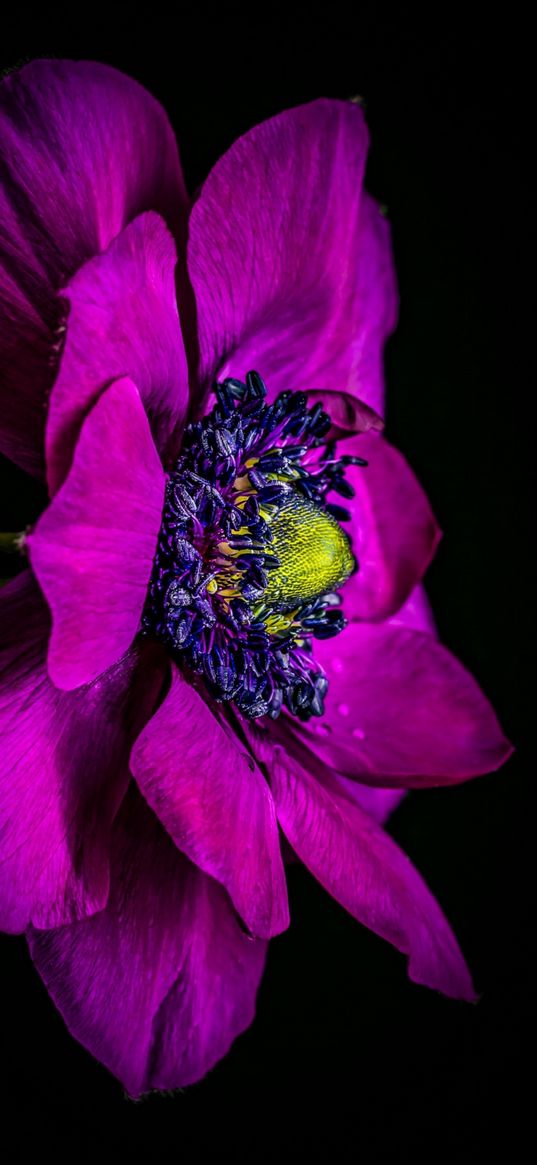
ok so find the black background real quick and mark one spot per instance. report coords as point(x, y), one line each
point(348, 1061)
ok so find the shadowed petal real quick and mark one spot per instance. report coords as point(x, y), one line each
point(379, 802)
point(83, 150)
point(63, 767)
point(215, 804)
point(349, 415)
point(92, 550)
point(369, 875)
point(416, 613)
point(290, 261)
point(277, 738)
point(159, 984)
point(393, 530)
point(122, 321)
point(401, 711)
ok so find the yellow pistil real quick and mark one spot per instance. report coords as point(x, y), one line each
point(314, 552)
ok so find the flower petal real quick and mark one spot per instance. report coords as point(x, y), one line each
point(393, 530)
point(290, 262)
point(349, 415)
point(83, 150)
point(63, 767)
point(285, 733)
point(269, 740)
point(369, 875)
point(159, 984)
point(215, 804)
point(415, 613)
point(93, 548)
point(400, 711)
point(123, 321)
point(379, 803)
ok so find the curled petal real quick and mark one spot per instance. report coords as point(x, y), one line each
point(159, 984)
point(63, 767)
point(378, 801)
point(93, 548)
point(393, 530)
point(215, 804)
point(348, 414)
point(416, 613)
point(83, 151)
point(290, 261)
point(368, 874)
point(401, 711)
point(122, 321)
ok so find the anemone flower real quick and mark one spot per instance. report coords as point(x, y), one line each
point(220, 639)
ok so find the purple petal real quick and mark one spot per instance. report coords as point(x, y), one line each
point(401, 711)
point(93, 548)
point(290, 262)
point(123, 321)
point(377, 802)
point(159, 984)
point(369, 875)
point(393, 529)
point(349, 415)
point(275, 737)
point(83, 150)
point(415, 613)
point(63, 767)
point(215, 804)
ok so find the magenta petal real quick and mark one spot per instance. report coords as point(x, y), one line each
point(159, 984)
point(349, 415)
point(215, 804)
point(122, 321)
point(290, 262)
point(401, 711)
point(92, 550)
point(312, 748)
point(83, 150)
point(379, 803)
point(369, 875)
point(393, 529)
point(63, 767)
point(415, 613)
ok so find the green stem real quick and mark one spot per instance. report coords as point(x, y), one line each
point(11, 543)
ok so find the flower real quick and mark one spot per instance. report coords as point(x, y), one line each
point(171, 695)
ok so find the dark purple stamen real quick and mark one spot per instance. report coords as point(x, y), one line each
point(216, 550)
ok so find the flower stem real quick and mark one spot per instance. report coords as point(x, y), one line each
point(12, 543)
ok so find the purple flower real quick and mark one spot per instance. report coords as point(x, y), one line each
point(193, 663)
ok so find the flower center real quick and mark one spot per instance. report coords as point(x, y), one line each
point(314, 552)
point(250, 553)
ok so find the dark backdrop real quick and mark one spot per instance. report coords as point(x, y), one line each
point(347, 1061)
